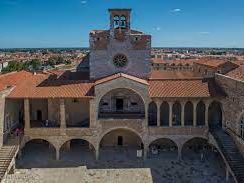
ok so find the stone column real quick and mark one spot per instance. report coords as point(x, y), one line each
point(158, 102)
point(182, 113)
point(194, 113)
point(27, 113)
point(49, 108)
point(206, 113)
point(93, 112)
point(97, 152)
point(62, 114)
point(146, 114)
point(57, 154)
point(170, 113)
point(145, 152)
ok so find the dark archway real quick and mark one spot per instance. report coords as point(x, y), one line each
point(188, 114)
point(163, 148)
point(77, 152)
point(152, 114)
point(200, 114)
point(164, 114)
point(215, 115)
point(176, 118)
point(198, 149)
point(37, 153)
point(120, 144)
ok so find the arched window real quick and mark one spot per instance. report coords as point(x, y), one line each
point(242, 127)
point(123, 21)
point(116, 21)
point(176, 118)
point(152, 114)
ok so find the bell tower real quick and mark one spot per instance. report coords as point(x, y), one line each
point(120, 19)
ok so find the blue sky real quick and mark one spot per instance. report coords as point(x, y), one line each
point(172, 23)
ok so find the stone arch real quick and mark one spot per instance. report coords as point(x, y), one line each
point(215, 115)
point(200, 113)
point(164, 114)
point(176, 114)
point(163, 147)
point(152, 114)
point(241, 125)
point(79, 149)
point(121, 102)
point(196, 148)
point(120, 141)
point(188, 114)
point(39, 152)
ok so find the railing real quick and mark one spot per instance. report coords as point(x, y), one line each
point(121, 115)
point(44, 124)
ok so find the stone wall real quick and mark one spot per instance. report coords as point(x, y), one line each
point(233, 105)
point(41, 105)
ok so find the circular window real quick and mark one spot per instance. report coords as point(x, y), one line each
point(120, 60)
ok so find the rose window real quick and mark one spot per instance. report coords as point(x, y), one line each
point(120, 60)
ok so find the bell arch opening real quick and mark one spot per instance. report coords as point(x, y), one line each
point(215, 115)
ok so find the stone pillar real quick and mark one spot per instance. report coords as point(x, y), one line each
point(57, 154)
point(97, 153)
point(49, 108)
point(145, 153)
point(62, 114)
point(194, 113)
point(158, 112)
point(206, 113)
point(27, 113)
point(93, 112)
point(146, 114)
point(182, 113)
point(170, 114)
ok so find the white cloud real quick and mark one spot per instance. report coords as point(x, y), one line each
point(176, 10)
point(204, 32)
point(157, 28)
point(83, 2)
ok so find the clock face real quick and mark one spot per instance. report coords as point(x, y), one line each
point(120, 60)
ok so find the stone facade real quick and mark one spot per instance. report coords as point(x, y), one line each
point(105, 45)
point(233, 106)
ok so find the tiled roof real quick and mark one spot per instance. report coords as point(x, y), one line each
point(164, 74)
point(13, 79)
point(212, 62)
point(43, 85)
point(118, 75)
point(237, 73)
point(184, 88)
point(176, 62)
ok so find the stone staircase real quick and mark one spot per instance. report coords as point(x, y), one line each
point(230, 152)
point(8, 153)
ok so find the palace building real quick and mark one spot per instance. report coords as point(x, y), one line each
point(120, 102)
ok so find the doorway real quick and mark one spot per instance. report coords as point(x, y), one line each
point(119, 104)
point(120, 141)
point(39, 115)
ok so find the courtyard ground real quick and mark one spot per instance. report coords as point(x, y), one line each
point(75, 167)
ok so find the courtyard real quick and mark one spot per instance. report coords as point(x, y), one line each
point(38, 165)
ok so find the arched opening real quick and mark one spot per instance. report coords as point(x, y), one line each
point(176, 118)
point(199, 150)
point(116, 21)
point(200, 114)
point(77, 152)
point(242, 126)
point(123, 22)
point(163, 148)
point(215, 115)
point(152, 114)
point(188, 114)
point(121, 104)
point(120, 144)
point(37, 153)
point(164, 114)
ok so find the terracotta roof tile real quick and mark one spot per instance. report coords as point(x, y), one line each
point(164, 74)
point(118, 75)
point(183, 62)
point(184, 88)
point(41, 86)
point(237, 73)
point(213, 62)
point(13, 79)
